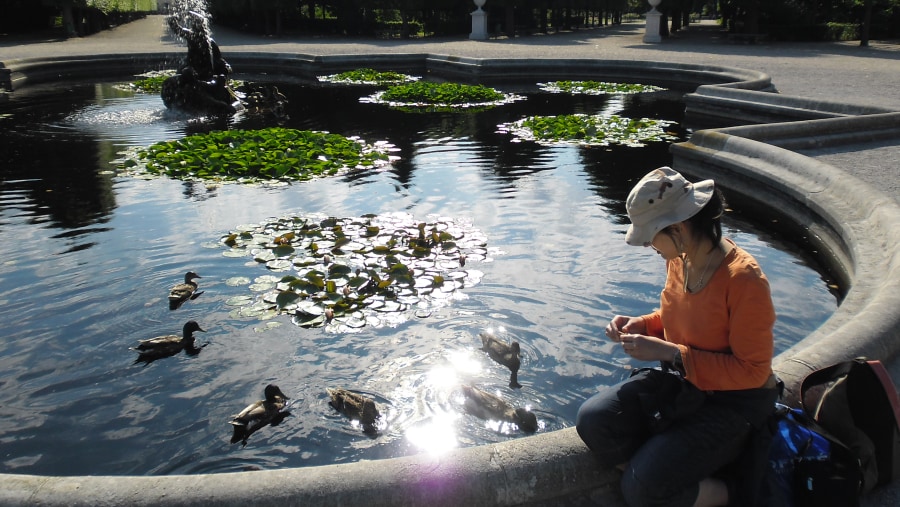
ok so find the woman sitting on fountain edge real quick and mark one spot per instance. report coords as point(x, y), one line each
point(673, 430)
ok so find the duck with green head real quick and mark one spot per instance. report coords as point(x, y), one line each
point(183, 291)
point(159, 347)
point(270, 410)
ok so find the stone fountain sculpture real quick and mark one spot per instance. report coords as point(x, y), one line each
point(201, 83)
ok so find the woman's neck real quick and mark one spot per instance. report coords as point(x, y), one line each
point(700, 265)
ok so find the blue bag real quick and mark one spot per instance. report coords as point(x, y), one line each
point(811, 467)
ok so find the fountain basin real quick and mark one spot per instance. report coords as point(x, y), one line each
point(859, 227)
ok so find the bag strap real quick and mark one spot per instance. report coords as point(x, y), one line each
point(889, 389)
point(824, 376)
point(801, 417)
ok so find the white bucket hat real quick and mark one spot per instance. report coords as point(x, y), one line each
point(662, 198)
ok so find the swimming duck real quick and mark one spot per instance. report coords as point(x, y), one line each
point(490, 407)
point(183, 291)
point(503, 353)
point(259, 414)
point(169, 345)
point(355, 406)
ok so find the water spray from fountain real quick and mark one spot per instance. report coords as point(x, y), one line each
point(201, 84)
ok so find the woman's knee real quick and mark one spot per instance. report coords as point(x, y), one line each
point(644, 492)
point(606, 432)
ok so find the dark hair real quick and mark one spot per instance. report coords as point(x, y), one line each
point(708, 221)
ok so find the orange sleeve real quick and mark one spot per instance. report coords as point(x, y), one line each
point(653, 324)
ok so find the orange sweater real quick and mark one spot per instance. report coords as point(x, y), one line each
point(724, 331)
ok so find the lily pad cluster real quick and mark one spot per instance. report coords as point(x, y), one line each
point(368, 77)
point(253, 155)
point(151, 82)
point(597, 88)
point(448, 96)
point(597, 130)
point(346, 273)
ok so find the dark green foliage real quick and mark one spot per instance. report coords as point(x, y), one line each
point(272, 153)
point(422, 92)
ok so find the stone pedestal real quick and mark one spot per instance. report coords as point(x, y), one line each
point(654, 17)
point(479, 22)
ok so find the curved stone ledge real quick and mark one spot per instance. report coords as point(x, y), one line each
point(684, 77)
point(853, 223)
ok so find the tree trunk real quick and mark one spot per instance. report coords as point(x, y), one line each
point(866, 24)
point(751, 18)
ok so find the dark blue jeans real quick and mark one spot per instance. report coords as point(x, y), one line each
point(664, 463)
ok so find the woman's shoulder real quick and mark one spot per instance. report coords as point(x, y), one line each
point(742, 264)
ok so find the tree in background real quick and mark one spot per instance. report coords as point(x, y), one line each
point(780, 19)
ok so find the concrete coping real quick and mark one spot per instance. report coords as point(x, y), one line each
point(856, 224)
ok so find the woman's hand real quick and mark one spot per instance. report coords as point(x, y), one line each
point(647, 348)
point(622, 324)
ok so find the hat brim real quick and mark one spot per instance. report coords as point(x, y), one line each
point(689, 205)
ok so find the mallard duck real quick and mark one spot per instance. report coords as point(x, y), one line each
point(260, 413)
point(183, 291)
point(490, 407)
point(503, 353)
point(168, 345)
point(355, 406)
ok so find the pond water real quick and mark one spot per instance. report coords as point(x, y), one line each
point(87, 258)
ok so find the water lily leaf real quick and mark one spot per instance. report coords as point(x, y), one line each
point(239, 301)
point(255, 310)
point(355, 322)
point(310, 308)
point(279, 264)
point(283, 250)
point(339, 270)
point(285, 238)
point(264, 256)
point(316, 279)
point(390, 306)
point(305, 261)
point(286, 298)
